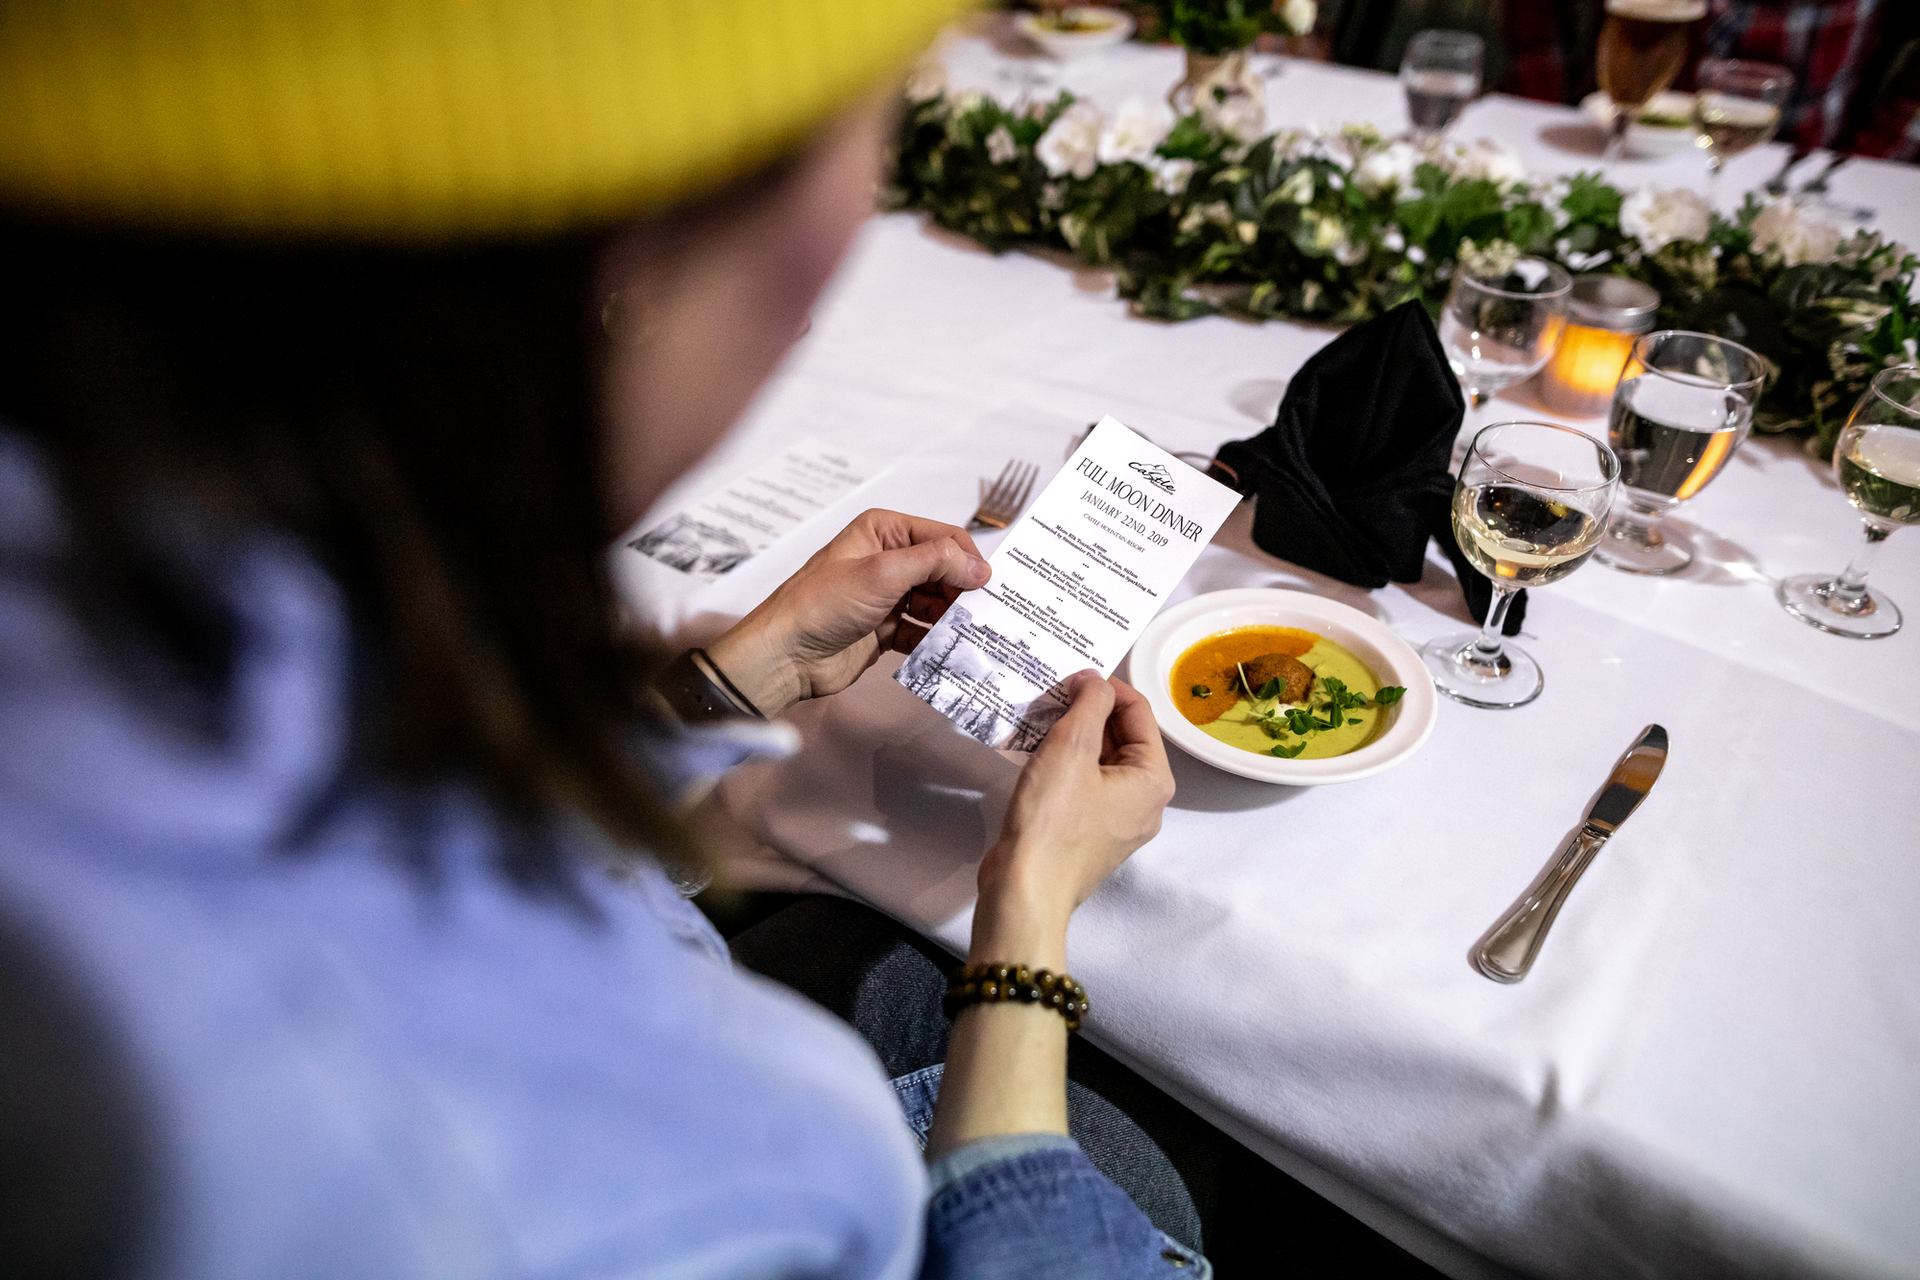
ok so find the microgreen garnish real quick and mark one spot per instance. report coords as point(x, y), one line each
point(1201, 691)
point(1329, 707)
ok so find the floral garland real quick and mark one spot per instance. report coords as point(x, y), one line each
point(1195, 217)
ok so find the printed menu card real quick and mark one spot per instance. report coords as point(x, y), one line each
point(716, 533)
point(1074, 584)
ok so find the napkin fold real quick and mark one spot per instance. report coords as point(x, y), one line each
point(1353, 476)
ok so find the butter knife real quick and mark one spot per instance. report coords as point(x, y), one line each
point(1509, 948)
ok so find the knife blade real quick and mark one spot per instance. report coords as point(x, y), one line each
point(1507, 952)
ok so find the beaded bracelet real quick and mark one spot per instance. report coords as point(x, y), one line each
point(1000, 983)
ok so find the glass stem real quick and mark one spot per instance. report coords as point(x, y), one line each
point(1714, 165)
point(1633, 523)
point(1852, 582)
point(1488, 645)
point(1617, 135)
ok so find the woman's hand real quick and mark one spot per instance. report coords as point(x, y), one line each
point(1092, 794)
point(827, 623)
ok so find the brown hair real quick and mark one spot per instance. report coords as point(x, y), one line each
point(423, 420)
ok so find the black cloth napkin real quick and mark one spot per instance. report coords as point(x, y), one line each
point(1352, 477)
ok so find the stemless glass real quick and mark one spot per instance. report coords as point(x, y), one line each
point(1737, 107)
point(1441, 74)
point(1877, 460)
point(1684, 404)
point(1528, 509)
point(1642, 48)
point(1500, 329)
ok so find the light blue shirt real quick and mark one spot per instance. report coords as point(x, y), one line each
point(364, 1050)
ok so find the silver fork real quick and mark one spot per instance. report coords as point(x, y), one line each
point(1001, 501)
point(1777, 184)
point(1818, 187)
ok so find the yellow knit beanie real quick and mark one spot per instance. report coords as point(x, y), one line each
point(419, 119)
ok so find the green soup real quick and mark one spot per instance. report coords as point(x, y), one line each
point(1240, 727)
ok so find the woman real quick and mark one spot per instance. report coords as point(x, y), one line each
point(340, 340)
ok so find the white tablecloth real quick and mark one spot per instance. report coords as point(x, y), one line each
point(1714, 1067)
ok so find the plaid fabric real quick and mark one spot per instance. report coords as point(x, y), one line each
point(1891, 128)
point(1823, 42)
point(1847, 91)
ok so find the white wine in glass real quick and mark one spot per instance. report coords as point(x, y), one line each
point(1529, 507)
point(1736, 107)
point(1880, 470)
point(1513, 534)
point(1877, 461)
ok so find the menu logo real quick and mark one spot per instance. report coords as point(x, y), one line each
point(1157, 475)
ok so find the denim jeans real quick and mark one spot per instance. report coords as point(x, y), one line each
point(887, 983)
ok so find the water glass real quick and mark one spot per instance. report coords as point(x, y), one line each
point(1499, 329)
point(1441, 74)
point(1877, 461)
point(1529, 507)
point(1684, 404)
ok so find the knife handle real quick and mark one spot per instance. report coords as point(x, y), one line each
point(1510, 947)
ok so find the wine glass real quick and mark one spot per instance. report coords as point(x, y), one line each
point(1684, 403)
point(1441, 73)
point(1528, 509)
point(1500, 329)
point(1642, 48)
point(1736, 107)
point(1877, 460)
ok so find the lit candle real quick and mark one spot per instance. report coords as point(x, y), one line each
point(1604, 315)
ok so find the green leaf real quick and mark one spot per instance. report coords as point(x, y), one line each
point(1271, 689)
point(1285, 752)
point(1201, 691)
point(1390, 695)
point(1590, 199)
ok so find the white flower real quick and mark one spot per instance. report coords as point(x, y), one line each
point(1240, 116)
point(1416, 255)
point(1393, 240)
point(927, 80)
point(1488, 159)
point(1001, 146)
point(1136, 131)
point(1171, 176)
point(1299, 15)
point(1297, 189)
point(1783, 229)
point(1325, 235)
point(1493, 259)
point(1389, 168)
point(1071, 144)
point(1657, 218)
